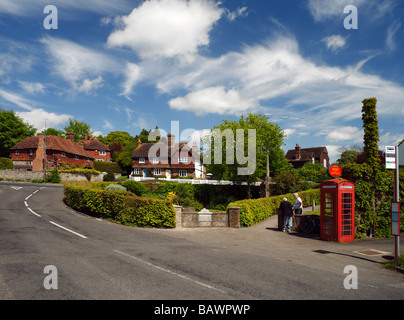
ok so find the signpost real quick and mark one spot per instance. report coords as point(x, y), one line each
point(334, 171)
point(393, 162)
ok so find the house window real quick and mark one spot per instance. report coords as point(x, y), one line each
point(183, 173)
point(141, 160)
point(182, 160)
point(30, 163)
point(157, 172)
point(76, 157)
point(64, 154)
point(103, 153)
point(88, 160)
point(17, 152)
point(155, 160)
point(30, 152)
point(137, 171)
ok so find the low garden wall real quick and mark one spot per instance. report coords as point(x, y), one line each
point(25, 175)
point(187, 217)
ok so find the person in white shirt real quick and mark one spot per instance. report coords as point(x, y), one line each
point(298, 205)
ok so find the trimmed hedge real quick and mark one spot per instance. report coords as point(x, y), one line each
point(253, 211)
point(6, 163)
point(121, 206)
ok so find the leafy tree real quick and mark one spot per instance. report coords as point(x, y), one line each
point(78, 128)
point(348, 156)
point(371, 132)
point(269, 139)
point(12, 130)
point(54, 132)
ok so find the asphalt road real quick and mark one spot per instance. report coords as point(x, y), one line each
point(97, 259)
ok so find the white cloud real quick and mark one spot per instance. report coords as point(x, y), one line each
point(167, 28)
point(240, 12)
point(35, 8)
point(89, 85)
point(133, 75)
point(213, 100)
point(32, 87)
point(17, 100)
point(37, 118)
point(75, 63)
point(391, 32)
point(335, 42)
point(345, 133)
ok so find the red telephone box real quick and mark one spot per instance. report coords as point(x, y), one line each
point(337, 220)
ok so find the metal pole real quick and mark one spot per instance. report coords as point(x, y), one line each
point(397, 199)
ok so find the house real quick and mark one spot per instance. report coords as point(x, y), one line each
point(29, 153)
point(298, 156)
point(167, 159)
point(95, 148)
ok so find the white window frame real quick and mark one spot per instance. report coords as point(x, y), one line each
point(156, 160)
point(183, 173)
point(137, 171)
point(76, 158)
point(103, 153)
point(63, 154)
point(182, 159)
point(142, 160)
point(157, 172)
point(17, 152)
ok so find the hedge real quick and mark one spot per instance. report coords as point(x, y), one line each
point(255, 210)
point(6, 163)
point(120, 206)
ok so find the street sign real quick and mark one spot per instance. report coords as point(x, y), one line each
point(390, 157)
point(334, 171)
point(395, 218)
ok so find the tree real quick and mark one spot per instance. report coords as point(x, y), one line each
point(78, 128)
point(371, 148)
point(348, 156)
point(268, 140)
point(371, 132)
point(12, 130)
point(54, 132)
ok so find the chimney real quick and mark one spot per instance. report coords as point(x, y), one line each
point(170, 140)
point(297, 152)
point(139, 143)
point(37, 163)
point(85, 137)
point(70, 136)
point(194, 147)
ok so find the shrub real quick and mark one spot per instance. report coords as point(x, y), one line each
point(53, 177)
point(136, 187)
point(115, 187)
point(255, 210)
point(121, 207)
point(6, 163)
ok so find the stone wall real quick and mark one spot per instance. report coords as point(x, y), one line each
point(187, 217)
point(24, 175)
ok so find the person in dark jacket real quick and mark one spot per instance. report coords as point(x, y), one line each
point(287, 211)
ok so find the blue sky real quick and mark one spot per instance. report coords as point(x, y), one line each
point(125, 65)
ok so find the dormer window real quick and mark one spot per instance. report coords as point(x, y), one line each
point(141, 160)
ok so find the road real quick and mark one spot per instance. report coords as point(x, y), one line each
point(97, 259)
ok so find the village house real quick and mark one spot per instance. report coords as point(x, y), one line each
point(95, 148)
point(167, 160)
point(298, 156)
point(29, 153)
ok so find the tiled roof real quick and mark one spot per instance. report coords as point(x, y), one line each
point(306, 154)
point(53, 143)
point(161, 148)
point(94, 144)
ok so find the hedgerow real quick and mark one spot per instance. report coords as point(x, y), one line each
point(121, 206)
point(253, 211)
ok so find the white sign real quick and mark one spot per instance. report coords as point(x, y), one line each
point(401, 154)
point(390, 157)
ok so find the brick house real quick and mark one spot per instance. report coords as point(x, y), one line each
point(29, 153)
point(168, 160)
point(95, 148)
point(298, 156)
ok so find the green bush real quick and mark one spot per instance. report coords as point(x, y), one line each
point(6, 163)
point(53, 177)
point(136, 187)
point(253, 211)
point(115, 187)
point(122, 207)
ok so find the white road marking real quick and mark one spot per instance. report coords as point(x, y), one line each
point(28, 197)
point(77, 234)
point(169, 271)
point(26, 204)
point(33, 212)
point(16, 188)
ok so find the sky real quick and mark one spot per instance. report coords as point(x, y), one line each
point(125, 65)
